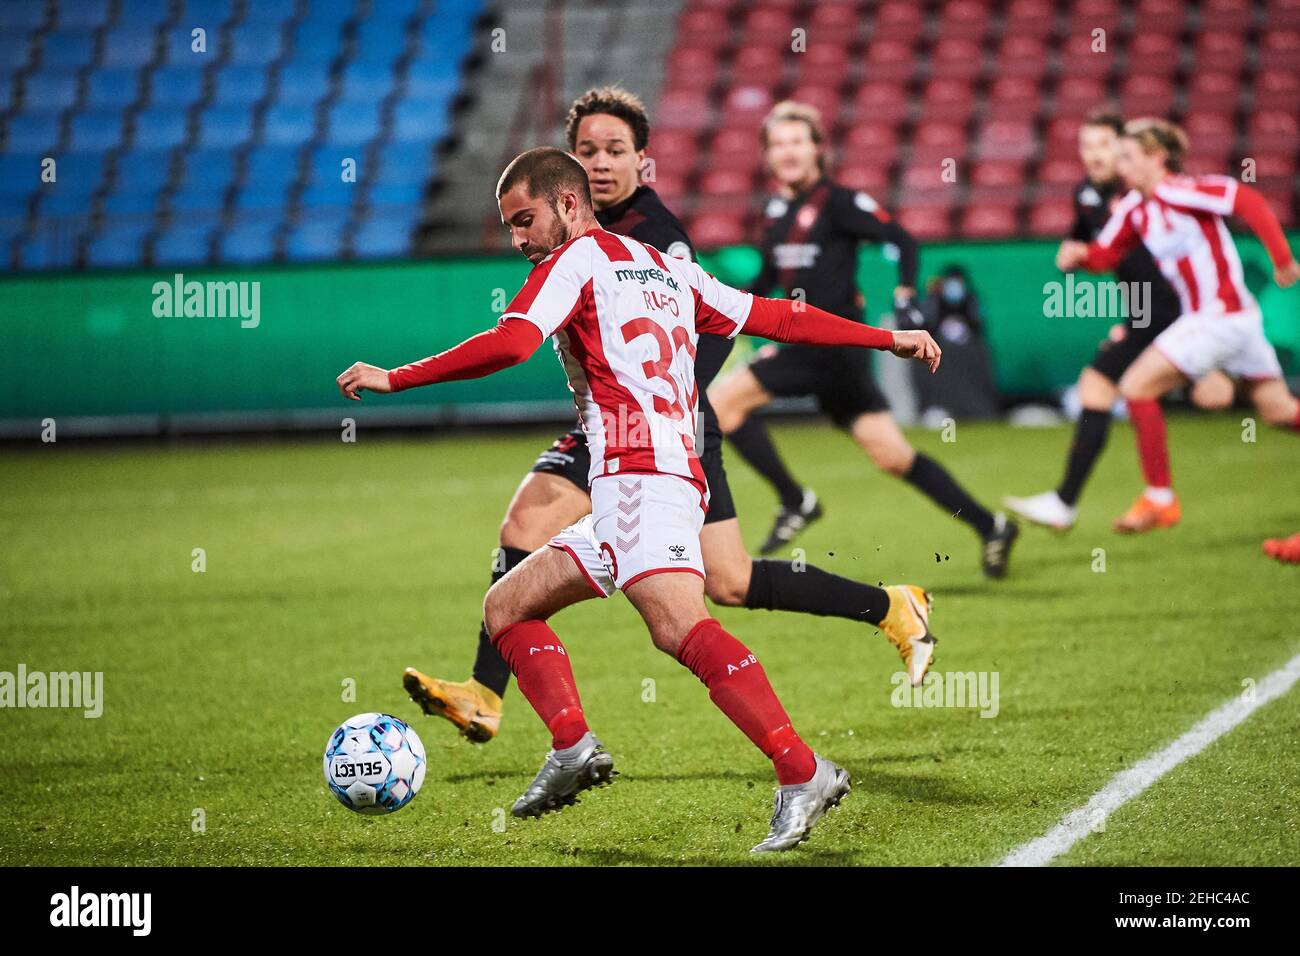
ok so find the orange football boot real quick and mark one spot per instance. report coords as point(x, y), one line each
point(1146, 515)
point(1286, 550)
point(473, 708)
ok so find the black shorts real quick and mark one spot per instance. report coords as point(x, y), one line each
point(1113, 358)
point(569, 458)
point(840, 378)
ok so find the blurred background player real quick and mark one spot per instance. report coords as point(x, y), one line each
point(1094, 200)
point(642, 466)
point(608, 130)
point(951, 313)
point(810, 251)
point(1180, 219)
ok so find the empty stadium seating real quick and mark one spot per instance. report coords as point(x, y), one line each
point(170, 155)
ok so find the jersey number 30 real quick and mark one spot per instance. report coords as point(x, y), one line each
point(662, 369)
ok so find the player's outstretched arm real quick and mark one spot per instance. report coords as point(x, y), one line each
point(782, 320)
point(1252, 208)
point(511, 342)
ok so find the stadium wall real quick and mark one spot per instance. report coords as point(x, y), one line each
point(90, 351)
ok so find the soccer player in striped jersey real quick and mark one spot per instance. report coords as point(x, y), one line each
point(1180, 219)
point(608, 131)
point(626, 321)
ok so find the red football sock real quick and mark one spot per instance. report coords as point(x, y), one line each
point(1295, 422)
point(541, 667)
point(1153, 445)
point(739, 688)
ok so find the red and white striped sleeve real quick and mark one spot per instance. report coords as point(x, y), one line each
point(1116, 238)
point(719, 309)
point(553, 292)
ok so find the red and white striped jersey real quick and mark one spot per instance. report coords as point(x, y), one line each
point(1182, 225)
point(626, 320)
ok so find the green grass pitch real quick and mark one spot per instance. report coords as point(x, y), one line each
point(330, 561)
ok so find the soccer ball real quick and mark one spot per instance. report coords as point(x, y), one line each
point(374, 763)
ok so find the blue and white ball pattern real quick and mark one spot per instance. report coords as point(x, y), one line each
point(374, 763)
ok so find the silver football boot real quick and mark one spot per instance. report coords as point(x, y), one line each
point(800, 805)
point(564, 774)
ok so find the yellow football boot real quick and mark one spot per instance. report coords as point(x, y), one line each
point(907, 625)
point(473, 708)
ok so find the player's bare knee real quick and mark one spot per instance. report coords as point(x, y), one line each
point(500, 610)
point(727, 589)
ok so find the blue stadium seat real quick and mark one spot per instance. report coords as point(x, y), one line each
point(256, 44)
point(353, 123)
point(179, 45)
point(15, 50)
point(17, 17)
point(314, 241)
point(326, 165)
point(286, 125)
point(50, 250)
point(143, 13)
point(203, 166)
point(252, 241)
point(20, 173)
point(119, 244)
point(261, 198)
point(160, 128)
point(381, 239)
point(84, 14)
point(112, 89)
point(225, 126)
point(436, 84)
point(199, 197)
point(317, 40)
point(303, 83)
point(325, 195)
point(419, 120)
point(128, 46)
point(184, 244)
point(397, 194)
point(403, 163)
point(132, 202)
point(380, 40)
point(271, 166)
point(68, 49)
point(49, 92)
point(367, 82)
point(269, 12)
point(330, 11)
point(29, 133)
point(208, 13)
point(176, 87)
point(141, 170)
point(240, 84)
point(63, 202)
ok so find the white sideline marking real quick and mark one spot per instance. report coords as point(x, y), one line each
point(1127, 784)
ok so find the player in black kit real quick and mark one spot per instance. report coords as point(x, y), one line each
point(810, 250)
point(1099, 382)
point(607, 130)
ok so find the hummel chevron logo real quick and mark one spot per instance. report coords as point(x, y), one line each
point(628, 525)
point(627, 545)
point(628, 488)
point(627, 507)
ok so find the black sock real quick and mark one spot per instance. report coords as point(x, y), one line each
point(490, 669)
point(755, 446)
point(1089, 441)
point(777, 586)
point(933, 480)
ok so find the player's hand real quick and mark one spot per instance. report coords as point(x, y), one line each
point(919, 345)
point(1287, 275)
point(1071, 255)
point(362, 376)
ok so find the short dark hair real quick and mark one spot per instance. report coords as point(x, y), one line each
point(1107, 117)
point(610, 101)
point(548, 172)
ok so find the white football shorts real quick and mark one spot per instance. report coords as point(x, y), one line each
point(1199, 342)
point(639, 525)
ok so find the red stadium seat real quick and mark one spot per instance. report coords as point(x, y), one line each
point(1233, 15)
point(1147, 96)
point(889, 60)
point(869, 178)
point(759, 63)
point(1089, 15)
point(1156, 53)
point(1015, 97)
point(709, 29)
point(769, 24)
point(1079, 59)
point(1213, 92)
point(1216, 128)
point(1056, 171)
point(1273, 130)
point(826, 99)
point(684, 109)
point(948, 100)
point(1051, 218)
point(956, 58)
point(693, 66)
point(965, 20)
point(988, 221)
point(747, 103)
point(1276, 86)
point(881, 102)
point(826, 62)
point(897, 20)
point(832, 21)
point(870, 143)
point(727, 182)
point(926, 224)
point(710, 230)
point(670, 186)
point(679, 145)
point(1280, 49)
point(934, 142)
point(1282, 14)
point(1222, 52)
point(1077, 96)
point(1160, 16)
point(1019, 55)
point(1030, 17)
point(1006, 139)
